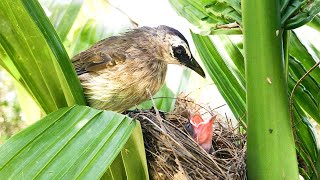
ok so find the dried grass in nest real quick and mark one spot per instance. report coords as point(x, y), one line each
point(173, 154)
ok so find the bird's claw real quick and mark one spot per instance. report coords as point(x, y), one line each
point(135, 112)
point(132, 113)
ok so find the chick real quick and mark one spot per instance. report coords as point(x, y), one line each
point(201, 131)
point(122, 71)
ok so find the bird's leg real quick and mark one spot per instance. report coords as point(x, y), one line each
point(132, 113)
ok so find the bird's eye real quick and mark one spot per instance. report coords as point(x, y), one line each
point(179, 52)
point(189, 128)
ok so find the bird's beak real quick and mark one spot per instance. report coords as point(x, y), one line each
point(192, 64)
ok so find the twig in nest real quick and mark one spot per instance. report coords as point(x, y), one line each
point(173, 153)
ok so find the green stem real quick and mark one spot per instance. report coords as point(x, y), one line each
point(286, 42)
point(270, 149)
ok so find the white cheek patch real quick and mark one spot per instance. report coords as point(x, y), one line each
point(176, 41)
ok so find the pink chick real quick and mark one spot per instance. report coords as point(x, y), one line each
point(201, 131)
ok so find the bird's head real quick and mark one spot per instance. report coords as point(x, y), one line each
point(177, 50)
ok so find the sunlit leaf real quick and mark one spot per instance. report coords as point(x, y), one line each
point(76, 142)
point(63, 14)
point(34, 56)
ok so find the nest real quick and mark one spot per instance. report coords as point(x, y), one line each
point(173, 154)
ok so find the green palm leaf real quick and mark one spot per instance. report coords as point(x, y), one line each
point(63, 14)
point(226, 82)
point(33, 54)
point(76, 142)
point(303, 55)
point(72, 142)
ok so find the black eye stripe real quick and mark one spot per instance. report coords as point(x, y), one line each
point(180, 53)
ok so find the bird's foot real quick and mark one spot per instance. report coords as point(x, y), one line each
point(132, 113)
point(135, 112)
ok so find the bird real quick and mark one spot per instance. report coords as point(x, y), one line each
point(122, 71)
point(201, 131)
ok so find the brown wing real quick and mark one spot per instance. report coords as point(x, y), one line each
point(99, 56)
